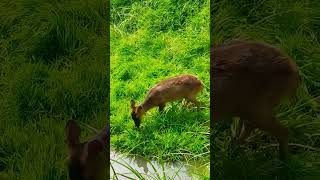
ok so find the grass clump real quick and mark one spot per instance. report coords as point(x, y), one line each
point(293, 26)
point(52, 68)
point(152, 41)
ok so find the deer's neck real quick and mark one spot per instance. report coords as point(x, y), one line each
point(147, 105)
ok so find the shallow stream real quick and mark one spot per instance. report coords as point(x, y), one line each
point(131, 167)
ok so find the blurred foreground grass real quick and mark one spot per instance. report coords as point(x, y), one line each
point(293, 26)
point(53, 58)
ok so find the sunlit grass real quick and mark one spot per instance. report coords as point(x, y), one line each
point(152, 41)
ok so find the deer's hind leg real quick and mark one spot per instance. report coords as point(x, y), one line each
point(193, 99)
point(272, 126)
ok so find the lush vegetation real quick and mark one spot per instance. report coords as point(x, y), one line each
point(293, 26)
point(52, 68)
point(151, 41)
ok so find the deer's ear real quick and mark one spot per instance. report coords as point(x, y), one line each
point(133, 104)
point(73, 133)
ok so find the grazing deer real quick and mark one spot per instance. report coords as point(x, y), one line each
point(172, 89)
point(249, 79)
point(88, 160)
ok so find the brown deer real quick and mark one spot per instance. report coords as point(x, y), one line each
point(249, 79)
point(88, 160)
point(172, 89)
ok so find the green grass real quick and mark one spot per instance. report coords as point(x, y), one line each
point(293, 26)
point(52, 68)
point(151, 41)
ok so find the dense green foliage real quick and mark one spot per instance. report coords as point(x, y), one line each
point(151, 41)
point(294, 26)
point(52, 68)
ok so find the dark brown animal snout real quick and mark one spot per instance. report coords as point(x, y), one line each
point(87, 160)
point(136, 113)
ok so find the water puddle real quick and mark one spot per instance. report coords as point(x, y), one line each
point(135, 167)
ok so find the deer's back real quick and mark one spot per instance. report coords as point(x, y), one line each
point(248, 76)
point(174, 88)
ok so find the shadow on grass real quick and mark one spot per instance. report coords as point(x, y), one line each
point(261, 166)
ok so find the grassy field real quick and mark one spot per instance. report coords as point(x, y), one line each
point(293, 26)
point(151, 41)
point(52, 68)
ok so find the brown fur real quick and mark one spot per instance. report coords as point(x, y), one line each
point(87, 160)
point(249, 80)
point(172, 89)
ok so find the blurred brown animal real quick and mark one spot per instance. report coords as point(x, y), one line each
point(249, 79)
point(172, 89)
point(88, 160)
